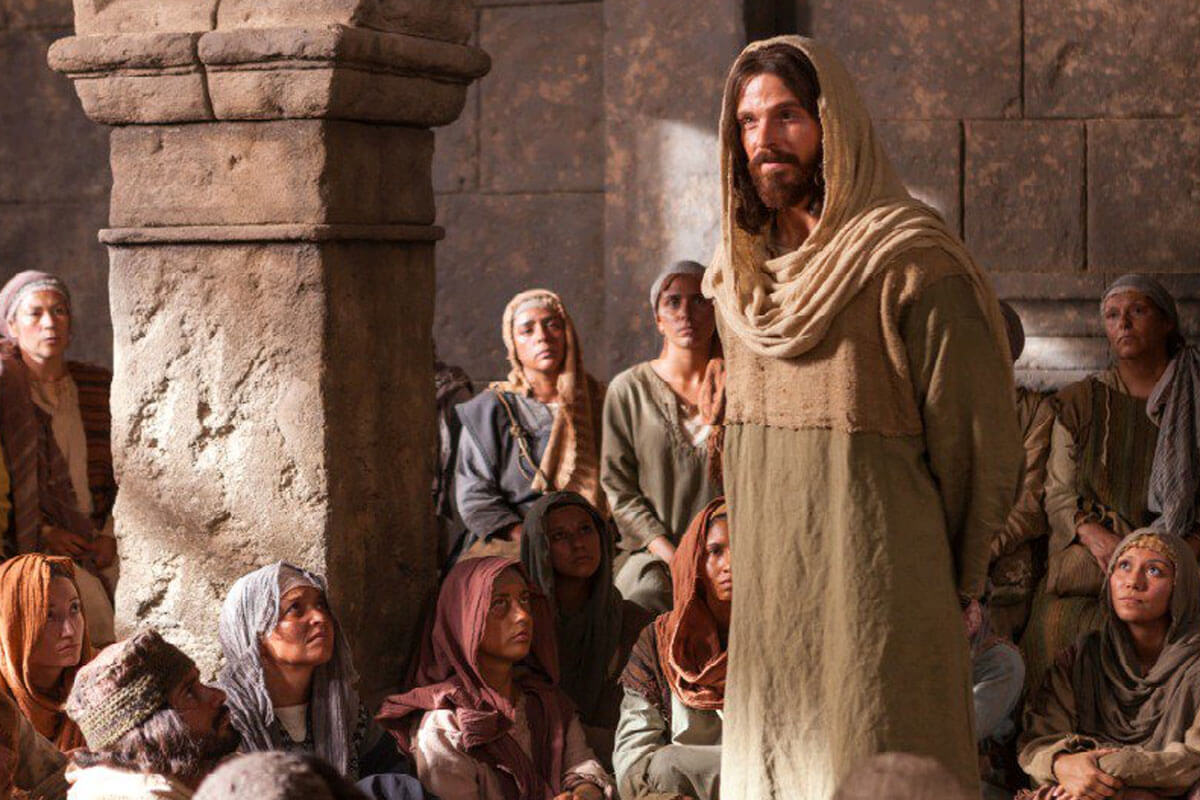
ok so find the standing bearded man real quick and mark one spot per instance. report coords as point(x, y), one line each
point(871, 449)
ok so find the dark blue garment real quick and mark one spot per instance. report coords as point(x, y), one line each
point(394, 786)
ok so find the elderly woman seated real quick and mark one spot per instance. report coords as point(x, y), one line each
point(567, 550)
point(1117, 714)
point(290, 677)
point(669, 736)
point(486, 720)
point(43, 642)
point(534, 432)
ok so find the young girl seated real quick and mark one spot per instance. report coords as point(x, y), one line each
point(485, 720)
point(1117, 714)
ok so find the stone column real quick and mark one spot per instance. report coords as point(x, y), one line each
point(271, 248)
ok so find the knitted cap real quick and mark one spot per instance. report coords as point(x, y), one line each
point(124, 686)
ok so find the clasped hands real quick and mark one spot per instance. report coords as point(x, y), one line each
point(61, 542)
point(1080, 778)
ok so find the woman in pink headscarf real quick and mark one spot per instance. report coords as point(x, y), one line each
point(486, 719)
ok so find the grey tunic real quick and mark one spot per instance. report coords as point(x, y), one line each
point(491, 477)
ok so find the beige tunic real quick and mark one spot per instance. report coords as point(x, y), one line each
point(866, 479)
point(106, 783)
point(448, 771)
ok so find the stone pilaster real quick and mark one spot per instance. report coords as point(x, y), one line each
point(271, 248)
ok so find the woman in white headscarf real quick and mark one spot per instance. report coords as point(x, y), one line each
point(289, 674)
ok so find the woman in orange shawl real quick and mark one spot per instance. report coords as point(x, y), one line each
point(669, 735)
point(43, 642)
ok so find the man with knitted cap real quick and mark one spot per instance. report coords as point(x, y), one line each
point(153, 730)
point(55, 428)
point(871, 446)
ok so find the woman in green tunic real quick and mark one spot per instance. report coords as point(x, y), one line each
point(654, 460)
point(1102, 449)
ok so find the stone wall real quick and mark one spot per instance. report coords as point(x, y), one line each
point(1059, 137)
point(54, 177)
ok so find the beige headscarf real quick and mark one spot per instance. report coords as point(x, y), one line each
point(571, 462)
point(782, 307)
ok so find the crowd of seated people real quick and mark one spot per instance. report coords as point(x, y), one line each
point(578, 645)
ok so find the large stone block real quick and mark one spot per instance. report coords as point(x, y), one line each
point(1091, 58)
point(662, 199)
point(542, 123)
point(144, 16)
point(1023, 196)
point(61, 238)
point(448, 20)
point(49, 151)
point(1144, 195)
point(928, 59)
point(271, 172)
point(928, 157)
point(498, 245)
point(273, 402)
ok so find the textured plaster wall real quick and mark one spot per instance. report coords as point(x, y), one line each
point(54, 176)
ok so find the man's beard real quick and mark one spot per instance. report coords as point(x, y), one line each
point(782, 189)
point(200, 754)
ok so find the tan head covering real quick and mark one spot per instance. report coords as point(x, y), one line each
point(571, 462)
point(1115, 702)
point(782, 307)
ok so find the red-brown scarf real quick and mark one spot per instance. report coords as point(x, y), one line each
point(448, 677)
point(689, 642)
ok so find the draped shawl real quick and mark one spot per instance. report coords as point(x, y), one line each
point(24, 608)
point(251, 611)
point(689, 641)
point(448, 677)
point(588, 639)
point(572, 458)
point(782, 307)
point(1114, 701)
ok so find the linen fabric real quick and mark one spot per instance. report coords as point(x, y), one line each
point(660, 280)
point(572, 458)
point(251, 611)
point(24, 608)
point(692, 657)
point(869, 374)
point(109, 783)
point(124, 686)
point(448, 678)
point(592, 644)
point(1097, 697)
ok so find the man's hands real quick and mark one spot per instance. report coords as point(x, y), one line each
point(1080, 778)
point(1099, 540)
point(584, 791)
point(661, 546)
point(104, 551)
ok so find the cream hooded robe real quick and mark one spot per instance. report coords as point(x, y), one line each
point(872, 452)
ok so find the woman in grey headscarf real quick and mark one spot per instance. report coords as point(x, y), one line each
point(289, 674)
point(1123, 455)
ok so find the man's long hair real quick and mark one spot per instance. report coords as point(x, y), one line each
point(800, 76)
point(162, 745)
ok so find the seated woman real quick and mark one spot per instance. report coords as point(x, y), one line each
point(654, 466)
point(1104, 445)
point(669, 736)
point(486, 720)
point(537, 431)
point(289, 675)
point(1119, 713)
point(43, 642)
point(567, 550)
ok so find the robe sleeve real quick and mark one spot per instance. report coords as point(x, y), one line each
point(633, 513)
point(481, 504)
point(641, 732)
point(580, 762)
point(5, 501)
point(1170, 771)
point(40, 765)
point(1050, 721)
point(972, 441)
point(442, 766)
point(1062, 500)
point(1027, 520)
